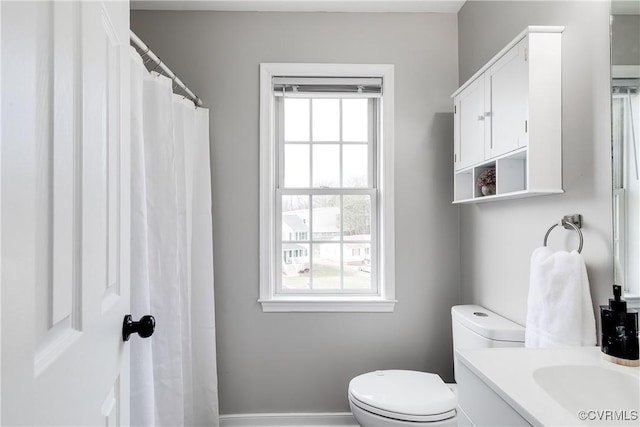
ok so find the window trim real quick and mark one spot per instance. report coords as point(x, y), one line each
point(384, 301)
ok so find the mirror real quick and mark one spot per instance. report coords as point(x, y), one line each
point(625, 126)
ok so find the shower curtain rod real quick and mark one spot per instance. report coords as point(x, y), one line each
point(145, 51)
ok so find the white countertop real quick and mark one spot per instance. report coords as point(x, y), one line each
point(510, 373)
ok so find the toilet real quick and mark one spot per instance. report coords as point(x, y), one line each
point(411, 398)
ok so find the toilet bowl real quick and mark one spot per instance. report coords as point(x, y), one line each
point(401, 398)
point(412, 398)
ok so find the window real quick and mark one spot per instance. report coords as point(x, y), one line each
point(326, 189)
point(625, 105)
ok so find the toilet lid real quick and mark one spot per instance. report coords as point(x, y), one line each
point(404, 395)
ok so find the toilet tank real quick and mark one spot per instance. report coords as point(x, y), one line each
point(476, 327)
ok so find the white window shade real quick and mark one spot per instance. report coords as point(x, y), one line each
point(327, 86)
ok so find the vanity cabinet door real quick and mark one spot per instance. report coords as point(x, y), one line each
point(507, 92)
point(469, 122)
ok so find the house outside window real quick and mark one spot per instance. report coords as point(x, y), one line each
point(326, 195)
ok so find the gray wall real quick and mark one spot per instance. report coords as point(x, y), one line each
point(625, 34)
point(497, 238)
point(294, 362)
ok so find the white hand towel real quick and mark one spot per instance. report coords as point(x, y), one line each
point(559, 313)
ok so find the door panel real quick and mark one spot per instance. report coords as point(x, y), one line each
point(470, 110)
point(65, 198)
point(509, 100)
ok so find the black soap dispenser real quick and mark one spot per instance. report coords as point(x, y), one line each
point(619, 331)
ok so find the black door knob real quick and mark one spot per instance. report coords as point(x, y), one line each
point(144, 327)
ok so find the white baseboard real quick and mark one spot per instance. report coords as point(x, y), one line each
point(323, 419)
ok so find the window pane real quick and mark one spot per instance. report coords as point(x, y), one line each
point(295, 266)
point(357, 217)
point(295, 218)
point(355, 120)
point(326, 119)
point(296, 165)
point(326, 266)
point(326, 217)
point(355, 160)
point(357, 265)
point(326, 165)
point(296, 119)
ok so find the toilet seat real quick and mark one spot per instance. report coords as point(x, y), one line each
point(403, 395)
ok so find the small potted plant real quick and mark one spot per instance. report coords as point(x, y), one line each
point(487, 182)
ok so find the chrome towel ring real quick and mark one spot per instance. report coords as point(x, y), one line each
point(569, 222)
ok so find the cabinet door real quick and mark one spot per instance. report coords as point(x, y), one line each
point(469, 125)
point(507, 82)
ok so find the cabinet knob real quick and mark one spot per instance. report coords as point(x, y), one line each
point(480, 117)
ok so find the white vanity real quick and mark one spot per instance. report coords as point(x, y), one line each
point(545, 387)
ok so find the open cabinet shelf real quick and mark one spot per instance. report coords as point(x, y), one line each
point(511, 180)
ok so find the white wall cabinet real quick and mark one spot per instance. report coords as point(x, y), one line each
point(508, 117)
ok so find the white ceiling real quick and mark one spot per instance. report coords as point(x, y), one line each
point(433, 6)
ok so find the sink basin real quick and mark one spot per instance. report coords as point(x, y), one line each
point(590, 388)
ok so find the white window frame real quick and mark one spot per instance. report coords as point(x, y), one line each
point(384, 300)
point(631, 288)
point(368, 191)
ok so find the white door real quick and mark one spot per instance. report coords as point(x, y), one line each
point(65, 212)
point(469, 124)
point(508, 81)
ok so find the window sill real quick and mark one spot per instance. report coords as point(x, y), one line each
point(327, 304)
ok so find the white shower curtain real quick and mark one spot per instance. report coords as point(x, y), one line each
point(173, 374)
